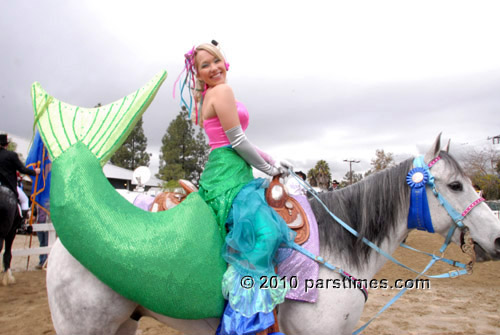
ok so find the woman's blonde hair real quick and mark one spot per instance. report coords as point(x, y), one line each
point(196, 86)
point(200, 87)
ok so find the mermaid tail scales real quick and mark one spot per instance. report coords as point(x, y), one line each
point(170, 261)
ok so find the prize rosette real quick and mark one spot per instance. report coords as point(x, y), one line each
point(417, 178)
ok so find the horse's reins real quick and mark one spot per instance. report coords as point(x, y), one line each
point(426, 180)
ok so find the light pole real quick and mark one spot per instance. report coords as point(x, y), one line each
point(350, 168)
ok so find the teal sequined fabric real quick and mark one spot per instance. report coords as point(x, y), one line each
point(170, 262)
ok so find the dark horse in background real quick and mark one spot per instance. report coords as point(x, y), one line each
point(10, 220)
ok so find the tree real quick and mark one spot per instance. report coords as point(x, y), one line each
point(183, 155)
point(320, 175)
point(482, 168)
point(347, 179)
point(12, 146)
point(380, 162)
point(132, 153)
point(202, 150)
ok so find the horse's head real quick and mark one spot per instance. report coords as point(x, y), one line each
point(454, 186)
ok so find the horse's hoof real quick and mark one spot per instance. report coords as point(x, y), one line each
point(5, 279)
point(8, 278)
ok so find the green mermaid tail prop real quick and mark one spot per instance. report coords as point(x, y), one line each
point(103, 129)
point(169, 262)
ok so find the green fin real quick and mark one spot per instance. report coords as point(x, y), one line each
point(102, 129)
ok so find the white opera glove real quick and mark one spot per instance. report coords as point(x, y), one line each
point(246, 150)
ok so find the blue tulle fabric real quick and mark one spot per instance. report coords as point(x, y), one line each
point(256, 232)
point(233, 323)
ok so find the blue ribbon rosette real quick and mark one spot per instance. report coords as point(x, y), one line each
point(419, 216)
point(417, 178)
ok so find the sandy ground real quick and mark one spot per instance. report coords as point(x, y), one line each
point(465, 305)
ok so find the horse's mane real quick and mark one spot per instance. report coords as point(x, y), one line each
point(371, 206)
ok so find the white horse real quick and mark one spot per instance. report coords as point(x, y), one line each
point(377, 207)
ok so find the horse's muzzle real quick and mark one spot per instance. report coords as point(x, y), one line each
point(483, 256)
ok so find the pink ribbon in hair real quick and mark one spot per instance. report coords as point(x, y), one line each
point(188, 66)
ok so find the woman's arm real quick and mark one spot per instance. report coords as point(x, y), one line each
point(224, 105)
point(21, 168)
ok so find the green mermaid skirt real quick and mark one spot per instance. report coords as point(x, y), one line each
point(224, 176)
point(256, 231)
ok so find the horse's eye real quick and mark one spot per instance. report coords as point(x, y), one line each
point(456, 186)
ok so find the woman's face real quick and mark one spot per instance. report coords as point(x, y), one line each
point(211, 69)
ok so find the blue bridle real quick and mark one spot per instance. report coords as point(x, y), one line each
point(419, 178)
point(419, 214)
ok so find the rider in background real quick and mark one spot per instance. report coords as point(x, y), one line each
point(10, 164)
point(255, 231)
point(334, 185)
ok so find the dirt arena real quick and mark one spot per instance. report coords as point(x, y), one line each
point(465, 305)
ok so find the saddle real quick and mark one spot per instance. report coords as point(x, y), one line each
point(276, 196)
point(289, 209)
point(168, 200)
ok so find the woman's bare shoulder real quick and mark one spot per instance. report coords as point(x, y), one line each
point(222, 90)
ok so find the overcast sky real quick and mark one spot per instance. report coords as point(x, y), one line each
point(328, 80)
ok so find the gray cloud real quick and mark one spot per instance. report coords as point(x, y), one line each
point(82, 55)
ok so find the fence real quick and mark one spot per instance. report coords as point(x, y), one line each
point(40, 250)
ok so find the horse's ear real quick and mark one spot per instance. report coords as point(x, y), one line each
point(434, 150)
point(447, 147)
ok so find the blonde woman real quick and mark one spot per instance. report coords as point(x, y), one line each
point(255, 231)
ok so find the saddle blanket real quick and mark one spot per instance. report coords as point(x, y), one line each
point(299, 265)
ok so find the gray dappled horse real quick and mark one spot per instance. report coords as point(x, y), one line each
point(377, 207)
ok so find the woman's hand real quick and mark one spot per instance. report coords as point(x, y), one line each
point(285, 168)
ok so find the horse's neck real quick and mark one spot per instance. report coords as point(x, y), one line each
point(389, 245)
point(378, 209)
point(375, 261)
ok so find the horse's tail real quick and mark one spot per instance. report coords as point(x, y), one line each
point(102, 129)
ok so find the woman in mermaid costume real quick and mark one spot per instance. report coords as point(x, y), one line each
point(255, 230)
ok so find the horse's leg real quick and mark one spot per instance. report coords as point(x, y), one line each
point(187, 327)
point(1, 244)
point(79, 302)
point(8, 277)
point(9, 241)
point(129, 327)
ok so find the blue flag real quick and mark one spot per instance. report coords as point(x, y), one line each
point(39, 157)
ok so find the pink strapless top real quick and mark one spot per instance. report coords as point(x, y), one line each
point(216, 136)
